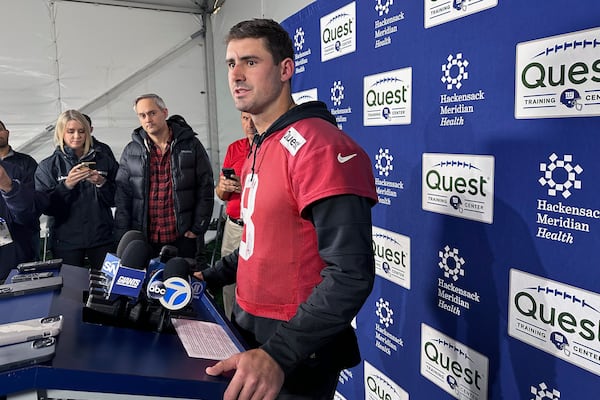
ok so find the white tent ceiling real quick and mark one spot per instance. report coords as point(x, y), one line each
point(97, 56)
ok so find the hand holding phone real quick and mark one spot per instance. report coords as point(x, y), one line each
point(228, 172)
point(88, 164)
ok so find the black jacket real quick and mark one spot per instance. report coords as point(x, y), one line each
point(192, 178)
point(21, 209)
point(24, 161)
point(81, 217)
point(319, 338)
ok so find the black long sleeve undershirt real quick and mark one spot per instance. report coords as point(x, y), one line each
point(344, 233)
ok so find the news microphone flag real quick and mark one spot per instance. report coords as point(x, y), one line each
point(171, 286)
point(121, 280)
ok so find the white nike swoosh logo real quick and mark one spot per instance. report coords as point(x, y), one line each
point(342, 159)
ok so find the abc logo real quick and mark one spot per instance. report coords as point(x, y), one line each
point(178, 294)
point(156, 290)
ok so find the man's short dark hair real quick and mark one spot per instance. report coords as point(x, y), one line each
point(277, 40)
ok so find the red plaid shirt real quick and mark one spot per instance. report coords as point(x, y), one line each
point(161, 210)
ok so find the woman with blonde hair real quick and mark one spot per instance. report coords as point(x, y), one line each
point(81, 185)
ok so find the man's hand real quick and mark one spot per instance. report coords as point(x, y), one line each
point(257, 375)
point(230, 185)
point(190, 235)
point(5, 181)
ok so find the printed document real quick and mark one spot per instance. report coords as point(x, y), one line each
point(203, 339)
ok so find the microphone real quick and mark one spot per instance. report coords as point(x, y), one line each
point(171, 286)
point(158, 263)
point(167, 252)
point(119, 277)
point(100, 279)
point(127, 238)
point(128, 278)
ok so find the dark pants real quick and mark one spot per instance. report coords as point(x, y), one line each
point(76, 257)
point(311, 380)
point(322, 389)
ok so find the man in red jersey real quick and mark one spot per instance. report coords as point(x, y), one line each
point(229, 189)
point(305, 264)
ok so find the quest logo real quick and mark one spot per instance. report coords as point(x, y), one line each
point(457, 369)
point(380, 386)
point(305, 96)
point(338, 33)
point(387, 98)
point(460, 185)
point(441, 11)
point(392, 256)
point(559, 76)
point(559, 319)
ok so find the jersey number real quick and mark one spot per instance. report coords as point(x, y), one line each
point(248, 203)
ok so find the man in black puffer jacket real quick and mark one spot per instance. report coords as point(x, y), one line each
point(165, 181)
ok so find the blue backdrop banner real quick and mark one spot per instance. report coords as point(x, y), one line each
point(480, 118)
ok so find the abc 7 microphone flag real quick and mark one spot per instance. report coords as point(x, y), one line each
point(171, 286)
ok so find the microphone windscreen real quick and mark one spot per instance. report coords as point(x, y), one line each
point(127, 238)
point(176, 267)
point(167, 252)
point(137, 255)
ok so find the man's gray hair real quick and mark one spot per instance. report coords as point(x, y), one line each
point(157, 99)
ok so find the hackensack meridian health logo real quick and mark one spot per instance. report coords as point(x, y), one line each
point(559, 76)
point(387, 187)
point(385, 340)
point(559, 219)
point(452, 297)
point(461, 185)
point(457, 104)
point(338, 32)
point(559, 319)
point(543, 392)
point(459, 370)
point(386, 23)
point(339, 110)
point(301, 55)
point(387, 98)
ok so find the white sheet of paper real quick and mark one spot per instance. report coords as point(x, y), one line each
point(203, 339)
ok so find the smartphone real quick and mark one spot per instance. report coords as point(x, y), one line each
point(88, 164)
point(228, 172)
point(27, 353)
point(31, 276)
point(31, 329)
point(37, 266)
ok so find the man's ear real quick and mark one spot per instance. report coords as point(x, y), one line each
point(287, 69)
